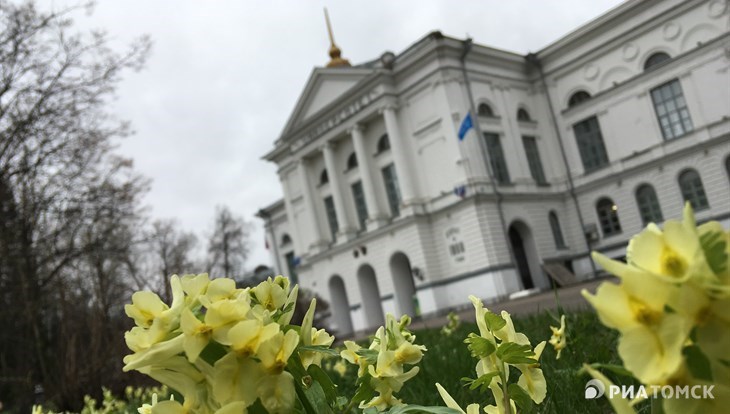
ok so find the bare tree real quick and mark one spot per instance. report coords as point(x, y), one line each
point(66, 204)
point(228, 246)
point(172, 249)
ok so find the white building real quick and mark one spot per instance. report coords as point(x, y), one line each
point(606, 129)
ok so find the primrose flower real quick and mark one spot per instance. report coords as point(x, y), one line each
point(451, 403)
point(558, 338)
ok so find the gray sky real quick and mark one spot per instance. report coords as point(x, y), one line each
point(224, 76)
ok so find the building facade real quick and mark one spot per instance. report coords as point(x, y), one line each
point(573, 148)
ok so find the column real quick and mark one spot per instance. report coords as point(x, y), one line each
point(334, 175)
point(309, 205)
point(400, 157)
point(375, 214)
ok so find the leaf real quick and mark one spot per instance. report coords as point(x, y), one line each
point(369, 355)
point(413, 409)
point(319, 348)
point(310, 393)
point(483, 381)
point(616, 369)
point(364, 392)
point(321, 377)
point(494, 321)
point(480, 347)
point(513, 353)
point(698, 363)
point(520, 396)
point(714, 245)
point(213, 352)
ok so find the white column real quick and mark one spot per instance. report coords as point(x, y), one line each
point(345, 228)
point(375, 214)
point(309, 204)
point(400, 157)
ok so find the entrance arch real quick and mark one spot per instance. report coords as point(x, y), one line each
point(405, 288)
point(370, 295)
point(528, 262)
point(340, 305)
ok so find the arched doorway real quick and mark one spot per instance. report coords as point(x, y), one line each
point(340, 305)
point(405, 288)
point(370, 295)
point(528, 262)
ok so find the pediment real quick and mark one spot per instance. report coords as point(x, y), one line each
point(324, 86)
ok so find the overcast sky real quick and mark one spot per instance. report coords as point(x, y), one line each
point(223, 78)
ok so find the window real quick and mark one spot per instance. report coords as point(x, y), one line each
point(671, 109)
point(285, 239)
point(590, 144)
point(578, 98)
point(533, 159)
point(727, 166)
point(383, 144)
point(485, 111)
point(351, 162)
point(557, 232)
point(329, 207)
point(656, 59)
point(649, 208)
point(523, 115)
point(692, 190)
point(291, 267)
point(608, 217)
point(323, 177)
point(360, 204)
point(496, 158)
point(391, 189)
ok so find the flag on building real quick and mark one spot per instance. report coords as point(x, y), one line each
point(466, 125)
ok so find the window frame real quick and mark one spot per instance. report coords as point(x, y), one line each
point(497, 160)
point(608, 220)
point(534, 161)
point(671, 106)
point(697, 189)
point(591, 146)
point(650, 209)
point(557, 231)
point(392, 189)
point(331, 213)
point(361, 206)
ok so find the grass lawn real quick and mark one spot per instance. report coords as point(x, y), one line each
point(448, 360)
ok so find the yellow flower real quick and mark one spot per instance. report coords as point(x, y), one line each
point(558, 338)
point(532, 379)
point(246, 336)
point(340, 367)
point(449, 401)
point(235, 379)
point(350, 354)
point(275, 352)
point(271, 294)
point(277, 393)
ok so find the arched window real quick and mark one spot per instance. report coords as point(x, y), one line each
point(692, 189)
point(557, 232)
point(383, 143)
point(351, 162)
point(285, 239)
point(485, 110)
point(649, 208)
point(607, 212)
point(578, 98)
point(323, 177)
point(523, 115)
point(656, 59)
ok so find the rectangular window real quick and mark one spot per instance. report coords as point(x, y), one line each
point(496, 158)
point(671, 109)
point(360, 204)
point(329, 206)
point(391, 189)
point(291, 267)
point(590, 144)
point(533, 159)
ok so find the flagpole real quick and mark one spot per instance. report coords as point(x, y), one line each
point(485, 155)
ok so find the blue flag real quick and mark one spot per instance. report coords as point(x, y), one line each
point(466, 125)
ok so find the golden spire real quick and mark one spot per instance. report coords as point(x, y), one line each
point(335, 52)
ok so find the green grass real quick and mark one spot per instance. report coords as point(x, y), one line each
point(448, 360)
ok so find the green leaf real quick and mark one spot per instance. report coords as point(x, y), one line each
point(520, 396)
point(369, 355)
point(513, 353)
point(698, 363)
point(213, 352)
point(494, 321)
point(616, 369)
point(480, 347)
point(310, 393)
point(319, 348)
point(483, 381)
point(714, 245)
point(364, 392)
point(321, 377)
point(414, 409)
